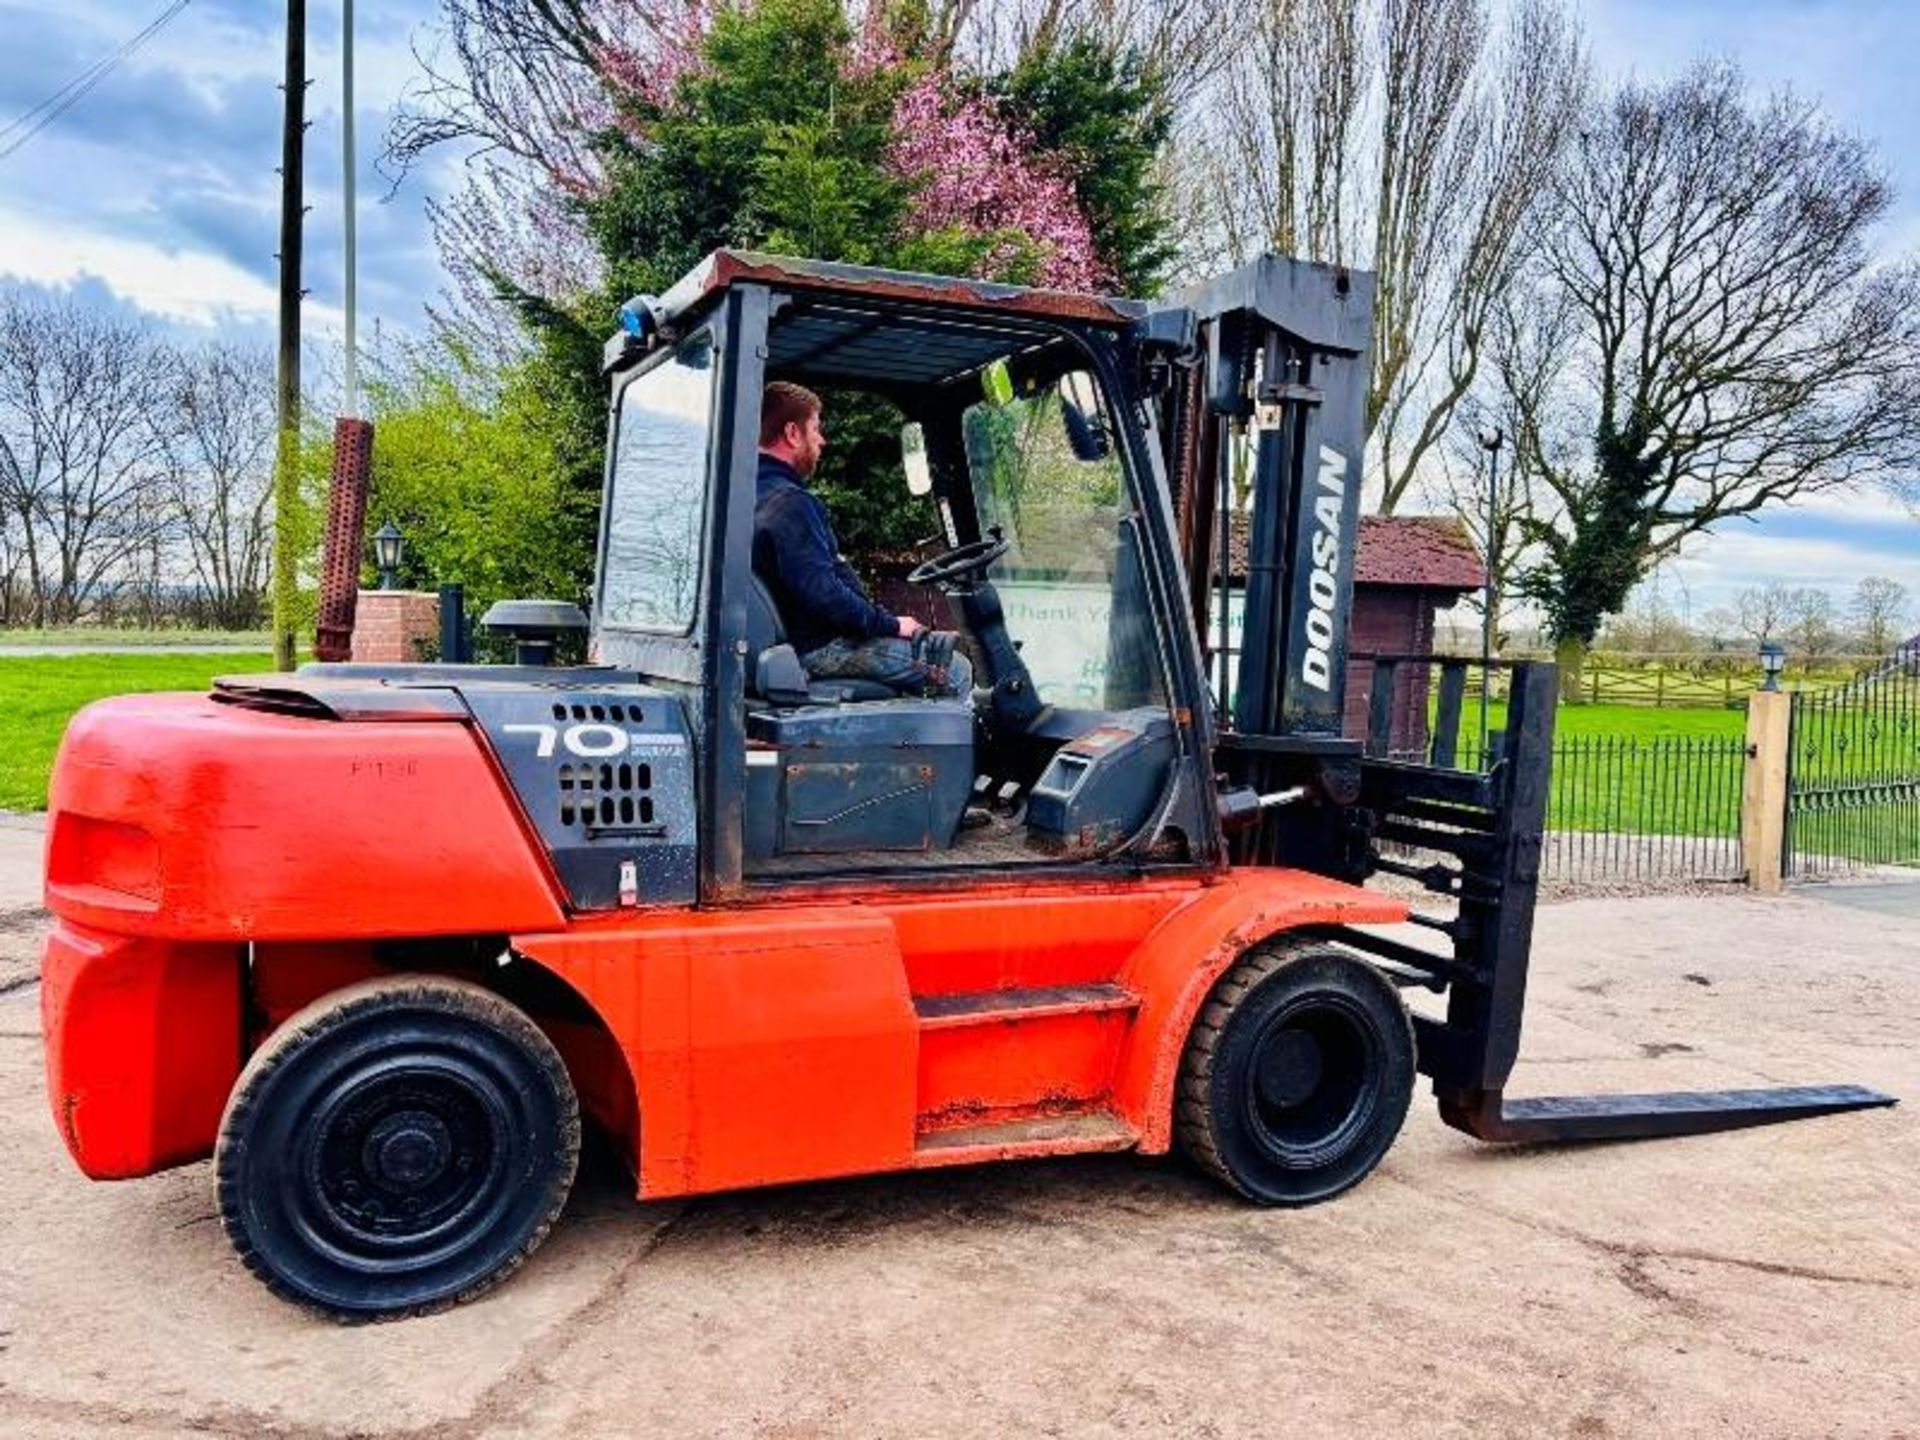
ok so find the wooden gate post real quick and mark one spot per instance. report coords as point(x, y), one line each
point(1763, 800)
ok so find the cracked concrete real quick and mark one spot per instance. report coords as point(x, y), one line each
point(1764, 1282)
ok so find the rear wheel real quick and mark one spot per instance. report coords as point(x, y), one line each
point(395, 1147)
point(1296, 1076)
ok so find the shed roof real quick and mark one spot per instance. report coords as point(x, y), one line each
point(1424, 552)
point(1433, 552)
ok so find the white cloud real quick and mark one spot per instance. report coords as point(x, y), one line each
point(194, 287)
point(179, 217)
point(1725, 564)
point(186, 286)
point(1864, 506)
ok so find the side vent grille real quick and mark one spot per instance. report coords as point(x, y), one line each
point(606, 796)
point(615, 714)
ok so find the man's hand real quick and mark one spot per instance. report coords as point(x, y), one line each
point(909, 627)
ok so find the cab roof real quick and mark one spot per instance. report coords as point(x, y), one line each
point(855, 282)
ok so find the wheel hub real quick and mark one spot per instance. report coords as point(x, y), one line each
point(1312, 1081)
point(408, 1150)
point(1290, 1068)
point(398, 1155)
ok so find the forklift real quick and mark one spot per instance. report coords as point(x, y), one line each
point(378, 938)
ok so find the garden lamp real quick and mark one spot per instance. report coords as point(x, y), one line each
point(388, 546)
point(1773, 659)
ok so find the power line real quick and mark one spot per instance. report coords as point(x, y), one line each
point(77, 89)
point(70, 93)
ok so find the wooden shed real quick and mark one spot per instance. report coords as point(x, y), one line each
point(1407, 568)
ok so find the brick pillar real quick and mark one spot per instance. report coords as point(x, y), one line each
point(393, 627)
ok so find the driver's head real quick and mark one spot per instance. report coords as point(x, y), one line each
point(790, 425)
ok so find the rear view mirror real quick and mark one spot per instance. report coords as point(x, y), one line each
point(996, 383)
point(913, 458)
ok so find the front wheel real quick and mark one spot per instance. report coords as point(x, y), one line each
point(1296, 1076)
point(395, 1147)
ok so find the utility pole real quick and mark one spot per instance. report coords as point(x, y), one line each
point(286, 476)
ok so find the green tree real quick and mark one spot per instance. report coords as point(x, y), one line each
point(1592, 561)
point(777, 134)
point(482, 486)
point(1104, 115)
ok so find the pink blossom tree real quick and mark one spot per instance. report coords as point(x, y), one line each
point(974, 173)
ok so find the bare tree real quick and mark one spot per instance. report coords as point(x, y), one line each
point(1760, 612)
point(216, 488)
point(1810, 626)
point(1288, 132)
point(13, 598)
point(1651, 623)
point(1185, 43)
point(1490, 501)
point(519, 80)
point(77, 454)
point(521, 87)
point(1881, 612)
point(1465, 232)
point(1415, 138)
point(1528, 336)
point(1736, 343)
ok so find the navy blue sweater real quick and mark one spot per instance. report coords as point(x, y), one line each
point(796, 554)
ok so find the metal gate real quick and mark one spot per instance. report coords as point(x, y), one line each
point(1853, 772)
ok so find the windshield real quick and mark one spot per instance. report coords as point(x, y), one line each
point(656, 501)
point(1046, 470)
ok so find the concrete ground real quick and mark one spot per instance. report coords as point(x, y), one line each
point(1757, 1283)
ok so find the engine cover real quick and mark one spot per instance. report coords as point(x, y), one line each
point(606, 776)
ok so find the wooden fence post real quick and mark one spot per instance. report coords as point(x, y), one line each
point(1763, 800)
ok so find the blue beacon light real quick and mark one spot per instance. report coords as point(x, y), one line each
point(636, 316)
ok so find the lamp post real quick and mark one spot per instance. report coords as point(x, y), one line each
point(350, 219)
point(1773, 659)
point(1490, 440)
point(389, 545)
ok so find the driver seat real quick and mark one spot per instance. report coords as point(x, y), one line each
point(774, 671)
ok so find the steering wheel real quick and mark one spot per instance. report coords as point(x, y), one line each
point(956, 568)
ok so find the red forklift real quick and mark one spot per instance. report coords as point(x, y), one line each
point(377, 938)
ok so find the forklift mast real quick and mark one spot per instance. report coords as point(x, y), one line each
point(1286, 348)
point(1278, 386)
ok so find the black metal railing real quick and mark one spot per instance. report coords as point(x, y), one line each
point(1853, 767)
point(1619, 808)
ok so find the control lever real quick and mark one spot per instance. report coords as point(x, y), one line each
point(1241, 806)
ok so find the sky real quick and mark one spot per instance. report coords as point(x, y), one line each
point(157, 194)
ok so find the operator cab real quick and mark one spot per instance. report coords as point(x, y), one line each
point(997, 436)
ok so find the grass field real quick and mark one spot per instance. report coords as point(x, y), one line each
point(1634, 770)
point(39, 694)
point(103, 635)
point(1627, 721)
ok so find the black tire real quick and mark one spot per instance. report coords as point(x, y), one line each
point(1296, 1076)
point(396, 1147)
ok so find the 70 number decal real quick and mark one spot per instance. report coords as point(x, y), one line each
point(590, 740)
